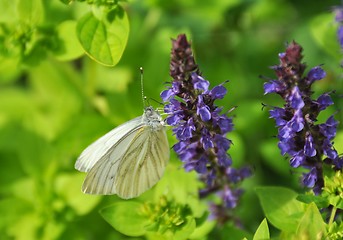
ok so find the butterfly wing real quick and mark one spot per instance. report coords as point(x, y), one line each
point(97, 150)
point(131, 167)
point(100, 179)
point(143, 163)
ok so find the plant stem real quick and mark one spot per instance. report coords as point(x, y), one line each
point(333, 214)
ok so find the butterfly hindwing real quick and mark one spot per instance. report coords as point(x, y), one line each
point(144, 164)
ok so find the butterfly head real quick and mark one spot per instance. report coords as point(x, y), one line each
point(153, 118)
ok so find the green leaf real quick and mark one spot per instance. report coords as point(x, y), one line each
point(29, 224)
point(68, 187)
point(31, 12)
point(335, 200)
point(281, 207)
point(181, 233)
point(70, 48)
point(321, 202)
point(9, 5)
point(103, 34)
point(228, 231)
point(262, 232)
point(11, 210)
point(182, 186)
point(53, 85)
point(125, 218)
point(202, 230)
point(186, 230)
point(311, 225)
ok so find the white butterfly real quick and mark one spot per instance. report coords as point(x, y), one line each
point(128, 160)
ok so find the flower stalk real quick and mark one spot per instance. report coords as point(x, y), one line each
point(201, 129)
point(309, 144)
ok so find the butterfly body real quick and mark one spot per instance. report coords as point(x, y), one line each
point(128, 160)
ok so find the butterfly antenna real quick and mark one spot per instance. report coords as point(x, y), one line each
point(142, 89)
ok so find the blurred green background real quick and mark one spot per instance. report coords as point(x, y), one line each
point(51, 108)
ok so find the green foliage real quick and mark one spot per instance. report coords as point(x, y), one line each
point(262, 233)
point(294, 219)
point(54, 101)
point(164, 219)
point(281, 207)
point(103, 34)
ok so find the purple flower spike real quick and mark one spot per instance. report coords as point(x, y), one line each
point(300, 137)
point(339, 18)
point(201, 129)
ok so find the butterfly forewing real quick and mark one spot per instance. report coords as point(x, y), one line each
point(100, 179)
point(145, 161)
point(94, 152)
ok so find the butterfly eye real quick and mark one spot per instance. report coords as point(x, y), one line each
point(148, 112)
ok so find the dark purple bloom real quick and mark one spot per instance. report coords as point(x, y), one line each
point(324, 101)
point(273, 86)
point(298, 159)
point(230, 197)
point(166, 94)
point(295, 98)
point(340, 35)
point(297, 121)
point(339, 14)
point(299, 136)
point(329, 128)
point(309, 148)
point(199, 82)
point(218, 92)
point(316, 73)
point(203, 110)
point(279, 116)
point(339, 18)
point(201, 129)
point(310, 178)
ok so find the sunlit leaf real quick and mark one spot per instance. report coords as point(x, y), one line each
point(202, 230)
point(312, 224)
point(228, 231)
point(31, 12)
point(186, 230)
point(103, 34)
point(68, 187)
point(11, 210)
point(262, 232)
point(125, 218)
point(281, 207)
point(318, 200)
point(70, 48)
point(57, 98)
point(29, 225)
point(182, 186)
